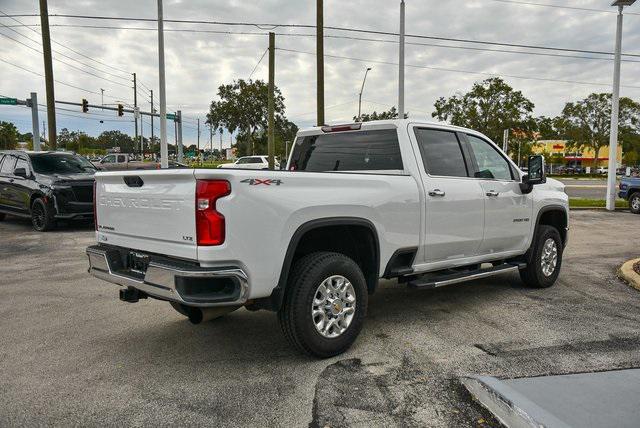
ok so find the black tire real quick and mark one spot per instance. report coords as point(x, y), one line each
point(533, 275)
point(295, 315)
point(2, 216)
point(42, 216)
point(634, 203)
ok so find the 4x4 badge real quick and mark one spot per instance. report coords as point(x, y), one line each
point(258, 181)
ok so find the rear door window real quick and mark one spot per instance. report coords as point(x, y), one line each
point(376, 150)
point(8, 165)
point(441, 153)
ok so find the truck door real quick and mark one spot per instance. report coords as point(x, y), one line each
point(8, 199)
point(454, 200)
point(508, 211)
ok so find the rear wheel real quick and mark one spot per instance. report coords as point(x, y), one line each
point(2, 216)
point(634, 203)
point(42, 216)
point(546, 259)
point(325, 304)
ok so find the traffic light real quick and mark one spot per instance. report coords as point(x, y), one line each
point(85, 105)
point(120, 109)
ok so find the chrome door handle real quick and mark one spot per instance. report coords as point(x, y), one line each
point(436, 192)
point(492, 193)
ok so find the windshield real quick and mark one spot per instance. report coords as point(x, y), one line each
point(47, 163)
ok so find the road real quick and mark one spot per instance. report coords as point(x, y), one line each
point(588, 189)
point(73, 354)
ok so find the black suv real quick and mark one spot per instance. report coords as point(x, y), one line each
point(46, 186)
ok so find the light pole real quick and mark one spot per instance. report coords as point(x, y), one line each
point(164, 145)
point(615, 107)
point(102, 97)
point(401, 63)
point(361, 90)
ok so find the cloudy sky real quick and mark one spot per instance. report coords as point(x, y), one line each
point(201, 57)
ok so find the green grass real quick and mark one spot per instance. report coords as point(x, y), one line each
point(594, 203)
point(207, 164)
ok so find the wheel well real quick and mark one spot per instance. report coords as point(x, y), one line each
point(33, 197)
point(555, 218)
point(357, 242)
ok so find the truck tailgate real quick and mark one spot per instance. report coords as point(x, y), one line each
point(148, 210)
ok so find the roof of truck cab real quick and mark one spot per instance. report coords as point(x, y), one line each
point(391, 123)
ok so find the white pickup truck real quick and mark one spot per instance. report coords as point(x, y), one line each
point(428, 204)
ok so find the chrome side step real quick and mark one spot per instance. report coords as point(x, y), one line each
point(443, 279)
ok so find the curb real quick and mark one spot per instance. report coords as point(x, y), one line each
point(595, 208)
point(627, 273)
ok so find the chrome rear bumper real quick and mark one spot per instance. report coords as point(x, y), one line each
point(164, 280)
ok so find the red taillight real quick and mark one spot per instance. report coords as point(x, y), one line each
point(210, 224)
point(95, 213)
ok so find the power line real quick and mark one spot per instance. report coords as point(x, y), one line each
point(333, 36)
point(258, 63)
point(308, 26)
point(64, 62)
point(459, 71)
point(67, 47)
point(556, 6)
point(61, 54)
point(57, 81)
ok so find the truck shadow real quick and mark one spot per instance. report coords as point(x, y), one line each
point(21, 224)
point(244, 337)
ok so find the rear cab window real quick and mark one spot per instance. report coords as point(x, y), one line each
point(360, 151)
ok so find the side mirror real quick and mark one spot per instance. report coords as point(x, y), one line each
point(535, 174)
point(20, 172)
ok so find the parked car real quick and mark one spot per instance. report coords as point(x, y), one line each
point(602, 170)
point(428, 204)
point(46, 186)
point(630, 191)
point(250, 162)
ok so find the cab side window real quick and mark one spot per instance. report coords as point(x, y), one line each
point(441, 153)
point(108, 159)
point(242, 161)
point(22, 163)
point(121, 159)
point(8, 165)
point(491, 164)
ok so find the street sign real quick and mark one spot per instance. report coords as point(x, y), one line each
point(8, 101)
point(171, 116)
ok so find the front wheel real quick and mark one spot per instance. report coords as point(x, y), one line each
point(42, 216)
point(546, 259)
point(325, 304)
point(634, 203)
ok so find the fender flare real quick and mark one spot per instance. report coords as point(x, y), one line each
point(277, 296)
point(543, 210)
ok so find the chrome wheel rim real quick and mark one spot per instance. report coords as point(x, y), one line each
point(635, 202)
point(334, 306)
point(549, 257)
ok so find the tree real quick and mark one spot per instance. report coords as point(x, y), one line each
point(115, 138)
point(243, 107)
point(588, 122)
point(8, 136)
point(550, 128)
point(490, 107)
point(383, 115)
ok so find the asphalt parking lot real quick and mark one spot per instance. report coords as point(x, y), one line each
point(589, 189)
point(72, 354)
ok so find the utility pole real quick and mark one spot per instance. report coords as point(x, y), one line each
point(44, 131)
point(164, 149)
point(198, 146)
point(615, 110)
point(34, 122)
point(152, 111)
point(211, 138)
point(401, 62)
point(141, 139)
point(362, 90)
point(180, 146)
point(135, 102)
point(320, 59)
point(102, 97)
point(48, 73)
point(505, 141)
point(271, 102)
point(220, 142)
